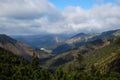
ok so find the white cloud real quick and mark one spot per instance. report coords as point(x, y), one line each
point(26, 8)
point(98, 18)
point(41, 16)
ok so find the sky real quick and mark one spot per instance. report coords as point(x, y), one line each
point(85, 4)
point(30, 17)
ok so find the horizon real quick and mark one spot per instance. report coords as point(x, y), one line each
point(58, 16)
point(46, 34)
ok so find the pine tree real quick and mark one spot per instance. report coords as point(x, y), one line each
point(35, 61)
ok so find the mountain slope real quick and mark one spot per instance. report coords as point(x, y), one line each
point(69, 56)
point(104, 58)
point(98, 53)
point(7, 57)
point(81, 39)
point(16, 47)
point(13, 67)
point(19, 48)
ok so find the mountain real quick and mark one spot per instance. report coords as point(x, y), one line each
point(100, 53)
point(82, 38)
point(43, 40)
point(97, 59)
point(105, 66)
point(79, 35)
point(19, 48)
point(13, 67)
point(100, 63)
point(69, 56)
point(74, 41)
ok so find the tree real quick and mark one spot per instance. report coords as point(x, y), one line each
point(59, 73)
point(80, 59)
point(35, 61)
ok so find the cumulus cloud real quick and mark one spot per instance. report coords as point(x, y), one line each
point(41, 16)
point(26, 8)
point(104, 17)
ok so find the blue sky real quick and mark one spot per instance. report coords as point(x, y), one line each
point(85, 4)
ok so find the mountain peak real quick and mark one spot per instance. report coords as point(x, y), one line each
point(79, 35)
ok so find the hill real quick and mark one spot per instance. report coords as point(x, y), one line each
point(19, 48)
point(13, 67)
point(95, 60)
point(82, 38)
point(69, 56)
point(100, 53)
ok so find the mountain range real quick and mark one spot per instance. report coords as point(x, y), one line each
point(42, 40)
point(87, 45)
point(82, 38)
point(66, 51)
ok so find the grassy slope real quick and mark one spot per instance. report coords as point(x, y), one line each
point(101, 58)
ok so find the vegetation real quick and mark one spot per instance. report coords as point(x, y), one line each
point(15, 68)
point(103, 64)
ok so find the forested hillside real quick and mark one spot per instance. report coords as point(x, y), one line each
point(15, 68)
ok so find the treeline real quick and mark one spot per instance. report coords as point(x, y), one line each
point(15, 68)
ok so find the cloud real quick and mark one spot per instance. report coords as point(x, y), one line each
point(23, 9)
point(41, 16)
point(96, 19)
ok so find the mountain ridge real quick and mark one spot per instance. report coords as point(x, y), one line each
point(19, 48)
point(81, 40)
